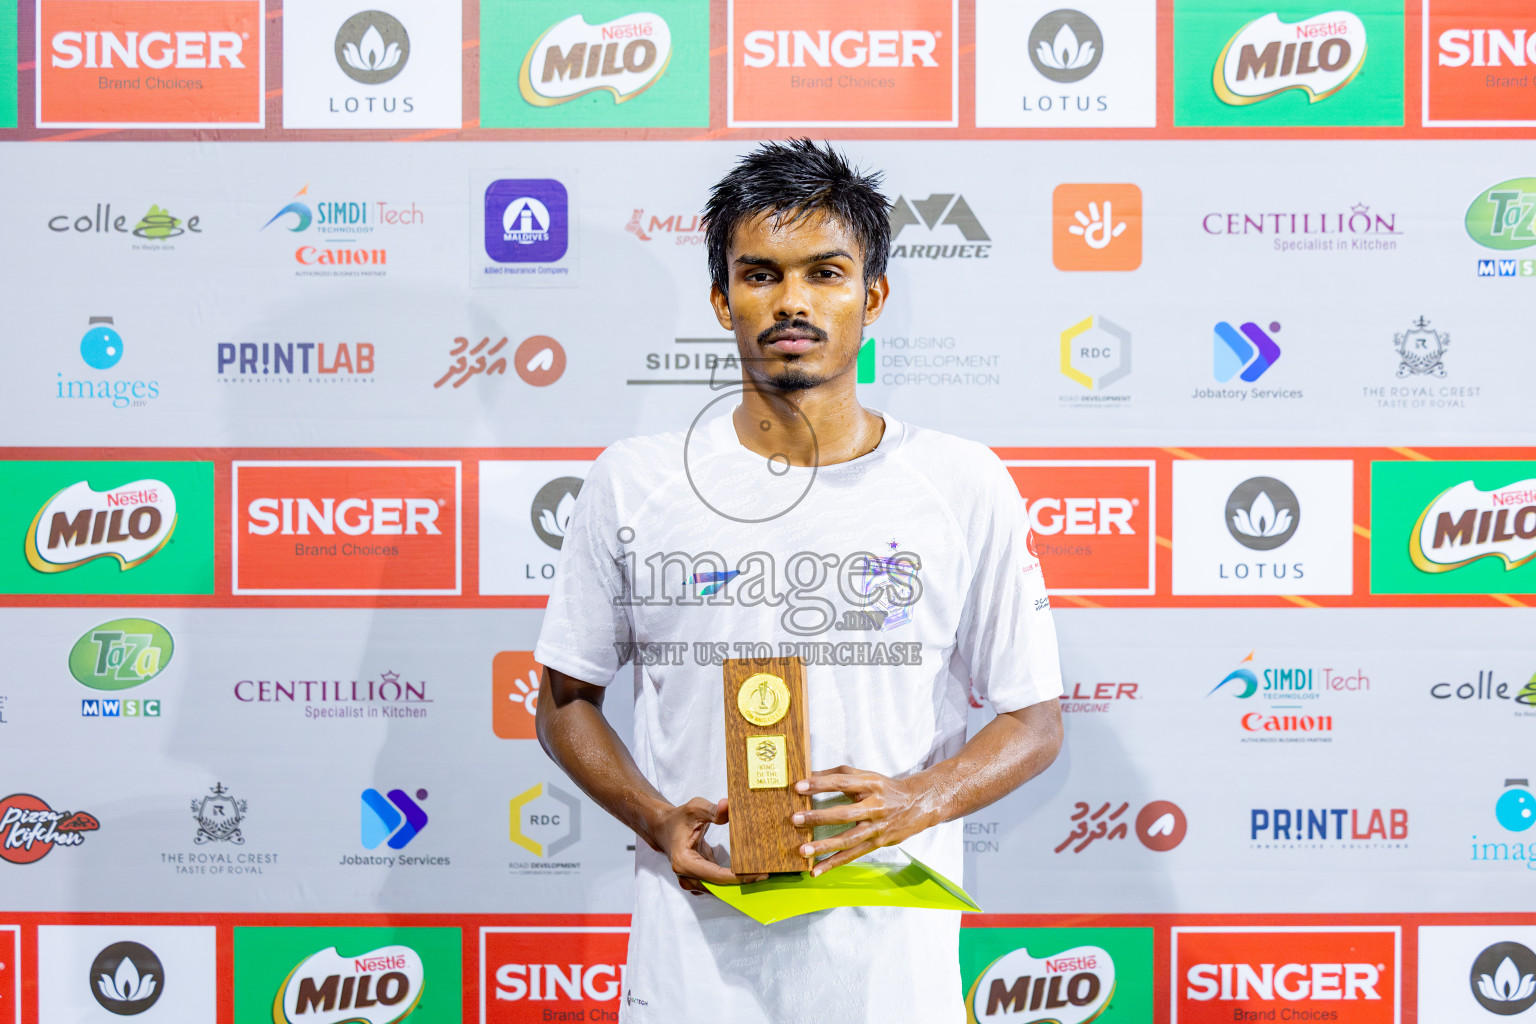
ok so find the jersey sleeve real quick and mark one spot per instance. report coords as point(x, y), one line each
point(588, 622)
point(1006, 636)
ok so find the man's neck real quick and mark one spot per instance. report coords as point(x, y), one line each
point(819, 426)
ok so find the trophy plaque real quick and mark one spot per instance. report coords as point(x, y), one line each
point(767, 750)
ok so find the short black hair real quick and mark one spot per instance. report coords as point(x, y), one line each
point(797, 178)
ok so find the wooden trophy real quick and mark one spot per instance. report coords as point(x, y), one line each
point(767, 750)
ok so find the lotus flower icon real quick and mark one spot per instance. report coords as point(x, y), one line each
point(1262, 519)
point(1262, 513)
point(127, 985)
point(554, 521)
point(1065, 53)
point(1507, 985)
point(373, 55)
point(1065, 46)
point(372, 47)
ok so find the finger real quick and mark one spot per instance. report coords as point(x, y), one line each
point(844, 857)
point(841, 814)
point(841, 841)
point(839, 783)
point(841, 769)
point(702, 809)
point(691, 885)
point(723, 811)
point(694, 865)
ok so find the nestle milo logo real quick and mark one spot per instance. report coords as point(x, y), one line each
point(121, 654)
point(1504, 216)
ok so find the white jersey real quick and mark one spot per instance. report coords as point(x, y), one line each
point(904, 578)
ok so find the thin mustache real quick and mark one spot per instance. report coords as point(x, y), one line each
point(771, 334)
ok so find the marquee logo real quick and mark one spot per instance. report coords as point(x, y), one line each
point(130, 523)
point(1466, 523)
point(1476, 59)
point(1267, 56)
point(30, 829)
point(1093, 524)
point(121, 654)
point(380, 986)
point(146, 64)
point(1347, 975)
point(942, 209)
point(572, 973)
point(346, 527)
point(1071, 987)
point(624, 56)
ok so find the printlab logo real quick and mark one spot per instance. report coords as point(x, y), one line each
point(1245, 352)
point(552, 509)
point(396, 819)
point(372, 47)
point(30, 829)
point(545, 820)
point(218, 816)
point(526, 220)
point(283, 362)
point(101, 348)
point(1096, 227)
point(942, 209)
point(1160, 825)
point(127, 978)
point(1504, 978)
point(1066, 46)
point(1262, 513)
point(1354, 828)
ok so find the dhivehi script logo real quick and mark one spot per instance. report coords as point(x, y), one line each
point(1466, 523)
point(130, 523)
point(626, 56)
point(1072, 987)
point(381, 986)
point(1267, 56)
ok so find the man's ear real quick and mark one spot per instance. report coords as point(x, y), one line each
point(874, 299)
point(722, 304)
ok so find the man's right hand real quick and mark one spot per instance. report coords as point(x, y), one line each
point(680, 835)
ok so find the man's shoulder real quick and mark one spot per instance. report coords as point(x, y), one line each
point(646, 457)
point(955, 465)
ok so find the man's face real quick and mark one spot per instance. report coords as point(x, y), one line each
point(797, 300)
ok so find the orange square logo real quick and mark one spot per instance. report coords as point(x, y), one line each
point(514, 694)
point(1096, 227)
point(346, 528)
point(1093, 523)
point(150, 64)
point(855, 62)
point(1477, 62)
point(1344, 974)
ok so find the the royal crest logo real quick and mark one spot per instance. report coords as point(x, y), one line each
point(218, 817)
point(30, 829)
point(130, 523)
point(1267, 56)
point(625, 56)
point(381, 986)
point(1465, 523)
point(1421, 350)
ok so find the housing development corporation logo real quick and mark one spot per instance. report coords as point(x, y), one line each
point(127, 978)
point(30, 829)
point(1096, 227)
point(574, 972)
point(1346, 974)
point(1476, 64)
point(1057, 975)
point(147, 64)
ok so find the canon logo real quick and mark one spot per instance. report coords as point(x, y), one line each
point(147, 49)
point(548, 982)
point(1048, 516)
point(1288, 981)
point(351, 516)
point(850, 48)
point(1486, 48)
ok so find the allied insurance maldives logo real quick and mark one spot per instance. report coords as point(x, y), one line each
point(150, 64)
point(858, 62)
point(346, 528)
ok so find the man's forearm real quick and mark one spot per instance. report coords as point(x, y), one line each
point(1008, 751)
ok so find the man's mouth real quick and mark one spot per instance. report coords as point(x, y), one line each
point(792, 339)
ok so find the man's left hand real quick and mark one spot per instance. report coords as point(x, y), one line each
point(885, 812)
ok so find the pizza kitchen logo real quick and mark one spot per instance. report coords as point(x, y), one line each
point(1266, 57)
point(130, 523)
point(30, 829)
point(625, 57)
point(381, 986)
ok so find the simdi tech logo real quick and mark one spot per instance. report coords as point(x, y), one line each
point(598, 63)
point(553, 972)
point(347, 975)
point(890, 63)
point(150, 64)
point(1453, 527)
point(350, 230)
point(1059, 975)
point(1096, 227)
point(1477, 62)
point(1094, 524)
point(346, 527)
point(107, 527)
point(1238, 63)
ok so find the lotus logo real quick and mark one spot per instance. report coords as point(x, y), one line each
point(553, 507)
point(127, 978)
point(372, 47)
point(1262, 513)
point(1504, 978)
point(1066, 46)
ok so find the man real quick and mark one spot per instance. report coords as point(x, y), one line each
point(896, 560)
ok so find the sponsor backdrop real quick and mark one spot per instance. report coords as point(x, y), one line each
point(319, 314)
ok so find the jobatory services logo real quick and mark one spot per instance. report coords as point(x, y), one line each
point(1477, 60)
point(1096, 227)
point(1476, 973)
point(346, 527)
point(107, 527)
point(571, 972)
point(148, 64)
point(1241, 354)
point(1160, 825)
point(30, 829)
point(1287, 527)
point(514, 694)
point(1453, 527)
point(1059, 975)
point(398, 66)
point(525, 508)
point(1239, 63)
point(347, 975)
point(889, 63)
point(1094, 524)
point(1093, 64)
point(394, 819)
point(102, 348)
point(529, 235)
point(126, 972)
point(1346, 974)
point(341, 236)
point(594, 64)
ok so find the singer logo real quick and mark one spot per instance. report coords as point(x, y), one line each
point(1476, 62)
point(552, 973)
point(857, 62)
point(150, 64)
point(346, 527)
point(1345, 975)
point(1093, 523)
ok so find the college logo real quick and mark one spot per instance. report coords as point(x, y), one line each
point(346, 527)
point(567, 973)
point(1247, 352)
point(545, 820)
point(121, 654)
point(1057, 975)
point(1096, 227)
point(1318, 56)
point(156, 225)
point(514, 695)
point(218, 817)
point(525, 510)
point(861, 62)
point(1476, 61)
point(1093, 523)
point(348, 975)
point(372, 47)
point(129, 523)
point(146, 64)
point(1503, 216)
point(1347, 974)
point(396, 819)
point(30, 829)
point(127, 978)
